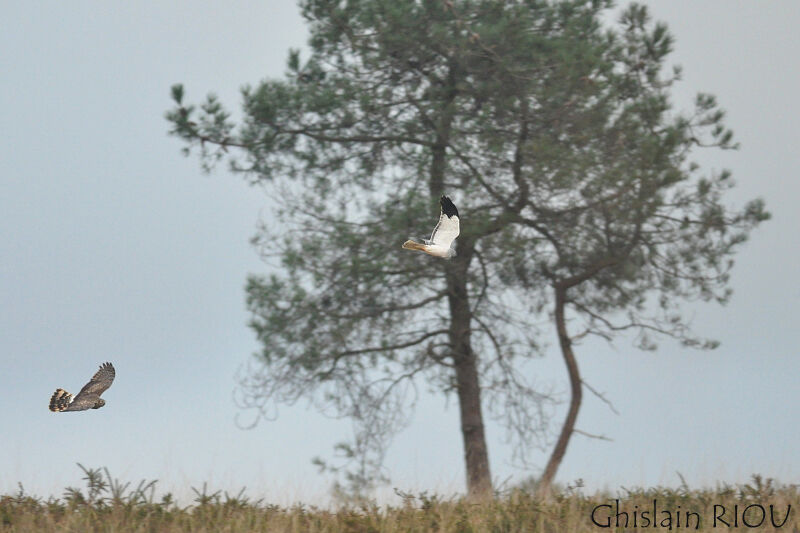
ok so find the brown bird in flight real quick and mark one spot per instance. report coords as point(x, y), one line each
point(89, 396)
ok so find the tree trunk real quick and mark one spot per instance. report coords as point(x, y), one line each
point(553, 463)
point(476, 457)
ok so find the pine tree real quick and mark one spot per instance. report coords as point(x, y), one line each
point(555, 137)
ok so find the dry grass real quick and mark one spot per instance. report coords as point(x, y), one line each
point(107, 505)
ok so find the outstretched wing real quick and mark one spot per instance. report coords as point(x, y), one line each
point(99, 383)
point(448, 227)
point(60, 401)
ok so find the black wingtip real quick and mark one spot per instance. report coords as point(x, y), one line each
point(448, 207)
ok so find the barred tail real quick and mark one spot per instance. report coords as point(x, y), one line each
point(411, 245)
point(60, 400)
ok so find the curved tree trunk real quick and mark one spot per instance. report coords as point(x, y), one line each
point(476, 457)
point(553, 463)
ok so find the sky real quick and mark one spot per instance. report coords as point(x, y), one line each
point(115, 247)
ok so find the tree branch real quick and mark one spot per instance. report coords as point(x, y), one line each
point(601, 396)
point(592, 435)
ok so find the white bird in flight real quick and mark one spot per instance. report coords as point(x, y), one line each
point(441, 243)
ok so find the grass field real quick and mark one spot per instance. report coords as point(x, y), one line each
point(108, 505)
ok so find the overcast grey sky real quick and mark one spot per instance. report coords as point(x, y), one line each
point(115, 247)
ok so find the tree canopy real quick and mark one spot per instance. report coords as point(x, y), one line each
point(555, 136)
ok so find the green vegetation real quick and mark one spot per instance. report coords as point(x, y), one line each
point(556, 134)
point(109, 505)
